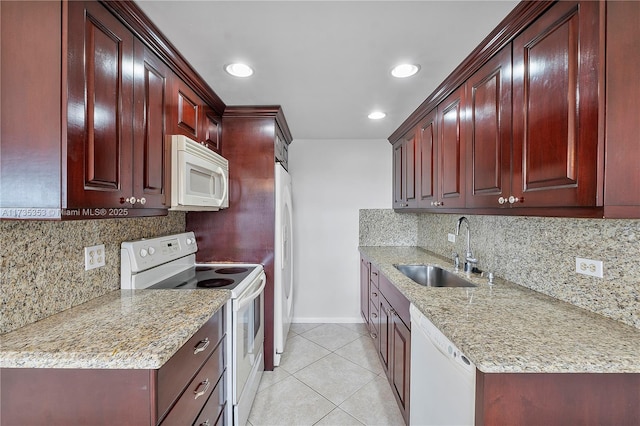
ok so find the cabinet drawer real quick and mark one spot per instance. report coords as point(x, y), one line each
point(374, 276)
point(374, 319)
point(213, 411)
point(374, 296)
point(182, 366)
point(187, 408)
point(397, 300)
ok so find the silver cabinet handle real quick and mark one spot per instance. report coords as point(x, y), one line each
point(201, 346)
point(373, 314)
point(513, 200)
point(502, 200)
point(205, 423)
point(204, 384)
point(437, 203)
point(374, 294)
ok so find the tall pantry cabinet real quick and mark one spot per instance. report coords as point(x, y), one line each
point(254, 139)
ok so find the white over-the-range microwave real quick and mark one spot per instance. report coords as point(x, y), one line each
point(199, 177)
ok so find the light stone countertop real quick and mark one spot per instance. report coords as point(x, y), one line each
point(124, 329)
point(507, 328)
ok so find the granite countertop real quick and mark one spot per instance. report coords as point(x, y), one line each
point(124, 329)
point(507, 328)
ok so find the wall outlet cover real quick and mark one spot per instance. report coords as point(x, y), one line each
point(452, 238)
point(94, 257)
point(589, 267)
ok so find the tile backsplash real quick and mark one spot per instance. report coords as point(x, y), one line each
point(42, 262)
point(535, 252)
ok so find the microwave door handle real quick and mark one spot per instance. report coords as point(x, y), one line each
point(244, 301)
point(224, 184)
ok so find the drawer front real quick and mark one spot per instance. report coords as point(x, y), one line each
point(188, 407)
point(180, 369)
point(374, 296)
point(396, 299)
point(213, 411)
point(374, 320)
point(374, 276)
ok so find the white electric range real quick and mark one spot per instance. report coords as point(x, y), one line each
point(169, 262)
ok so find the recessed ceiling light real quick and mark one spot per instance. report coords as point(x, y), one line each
point(239, 70)
point(405, 70)
point(377, 115)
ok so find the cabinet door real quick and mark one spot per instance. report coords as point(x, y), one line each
point(211, 130)
point(428, 161)
point(488, 124)
point(555, 107)
point(150, 157)
point(400, 364)
point(385, 334)
point(364, 290)
point(404, 172)
point(99, 108)
point(451, 150)
point(186, 108)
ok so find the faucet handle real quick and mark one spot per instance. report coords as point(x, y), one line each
point(490, 277)
point(456, 260)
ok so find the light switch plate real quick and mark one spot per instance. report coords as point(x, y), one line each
point(94, 257)
point(452, 238)
point(589, 267)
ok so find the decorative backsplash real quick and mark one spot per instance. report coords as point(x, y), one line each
point(42, 262)
point(535, 252)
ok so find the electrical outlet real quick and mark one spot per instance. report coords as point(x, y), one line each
point(94, 257)
point(589, 267)
point(452, 238)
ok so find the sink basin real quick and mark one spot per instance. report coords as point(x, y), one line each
point(433, 276)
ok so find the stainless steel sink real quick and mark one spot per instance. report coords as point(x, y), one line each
point(433, 276)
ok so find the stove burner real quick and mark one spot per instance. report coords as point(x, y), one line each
point(204, 268)
point(231, 270)
point(215, 282)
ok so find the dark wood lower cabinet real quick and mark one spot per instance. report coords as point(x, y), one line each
point(188, 388)
point(557, 399)
point(394, 342)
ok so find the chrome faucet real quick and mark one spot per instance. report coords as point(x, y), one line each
point(470, 262)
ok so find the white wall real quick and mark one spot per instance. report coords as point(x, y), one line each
point(332, 180)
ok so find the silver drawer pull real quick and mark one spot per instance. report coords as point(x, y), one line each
point(201, 346)
point(206, 423)
point(374, 294)
point(199, 393)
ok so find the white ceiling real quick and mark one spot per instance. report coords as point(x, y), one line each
point(327, 62)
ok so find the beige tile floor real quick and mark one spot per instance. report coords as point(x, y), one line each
point(329, 375)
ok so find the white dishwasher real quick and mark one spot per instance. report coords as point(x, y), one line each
point(443, 380)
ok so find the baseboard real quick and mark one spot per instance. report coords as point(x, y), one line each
point(306, 320)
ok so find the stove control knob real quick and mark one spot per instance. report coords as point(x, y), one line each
point(143, 253)
point(151, 250)
point(190, 241)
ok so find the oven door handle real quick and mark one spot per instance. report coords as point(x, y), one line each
point(244, 301)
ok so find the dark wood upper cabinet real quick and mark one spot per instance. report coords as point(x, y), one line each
point(151, 158)
point(191, 117)
point(99, 108)
point(86, 101)
point(556, 81)
point(546, 107)
point(489, 133)
point(428, 161)
point(404, 171)
point(451, 150)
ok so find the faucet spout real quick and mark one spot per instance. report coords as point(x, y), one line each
point(470, 261)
